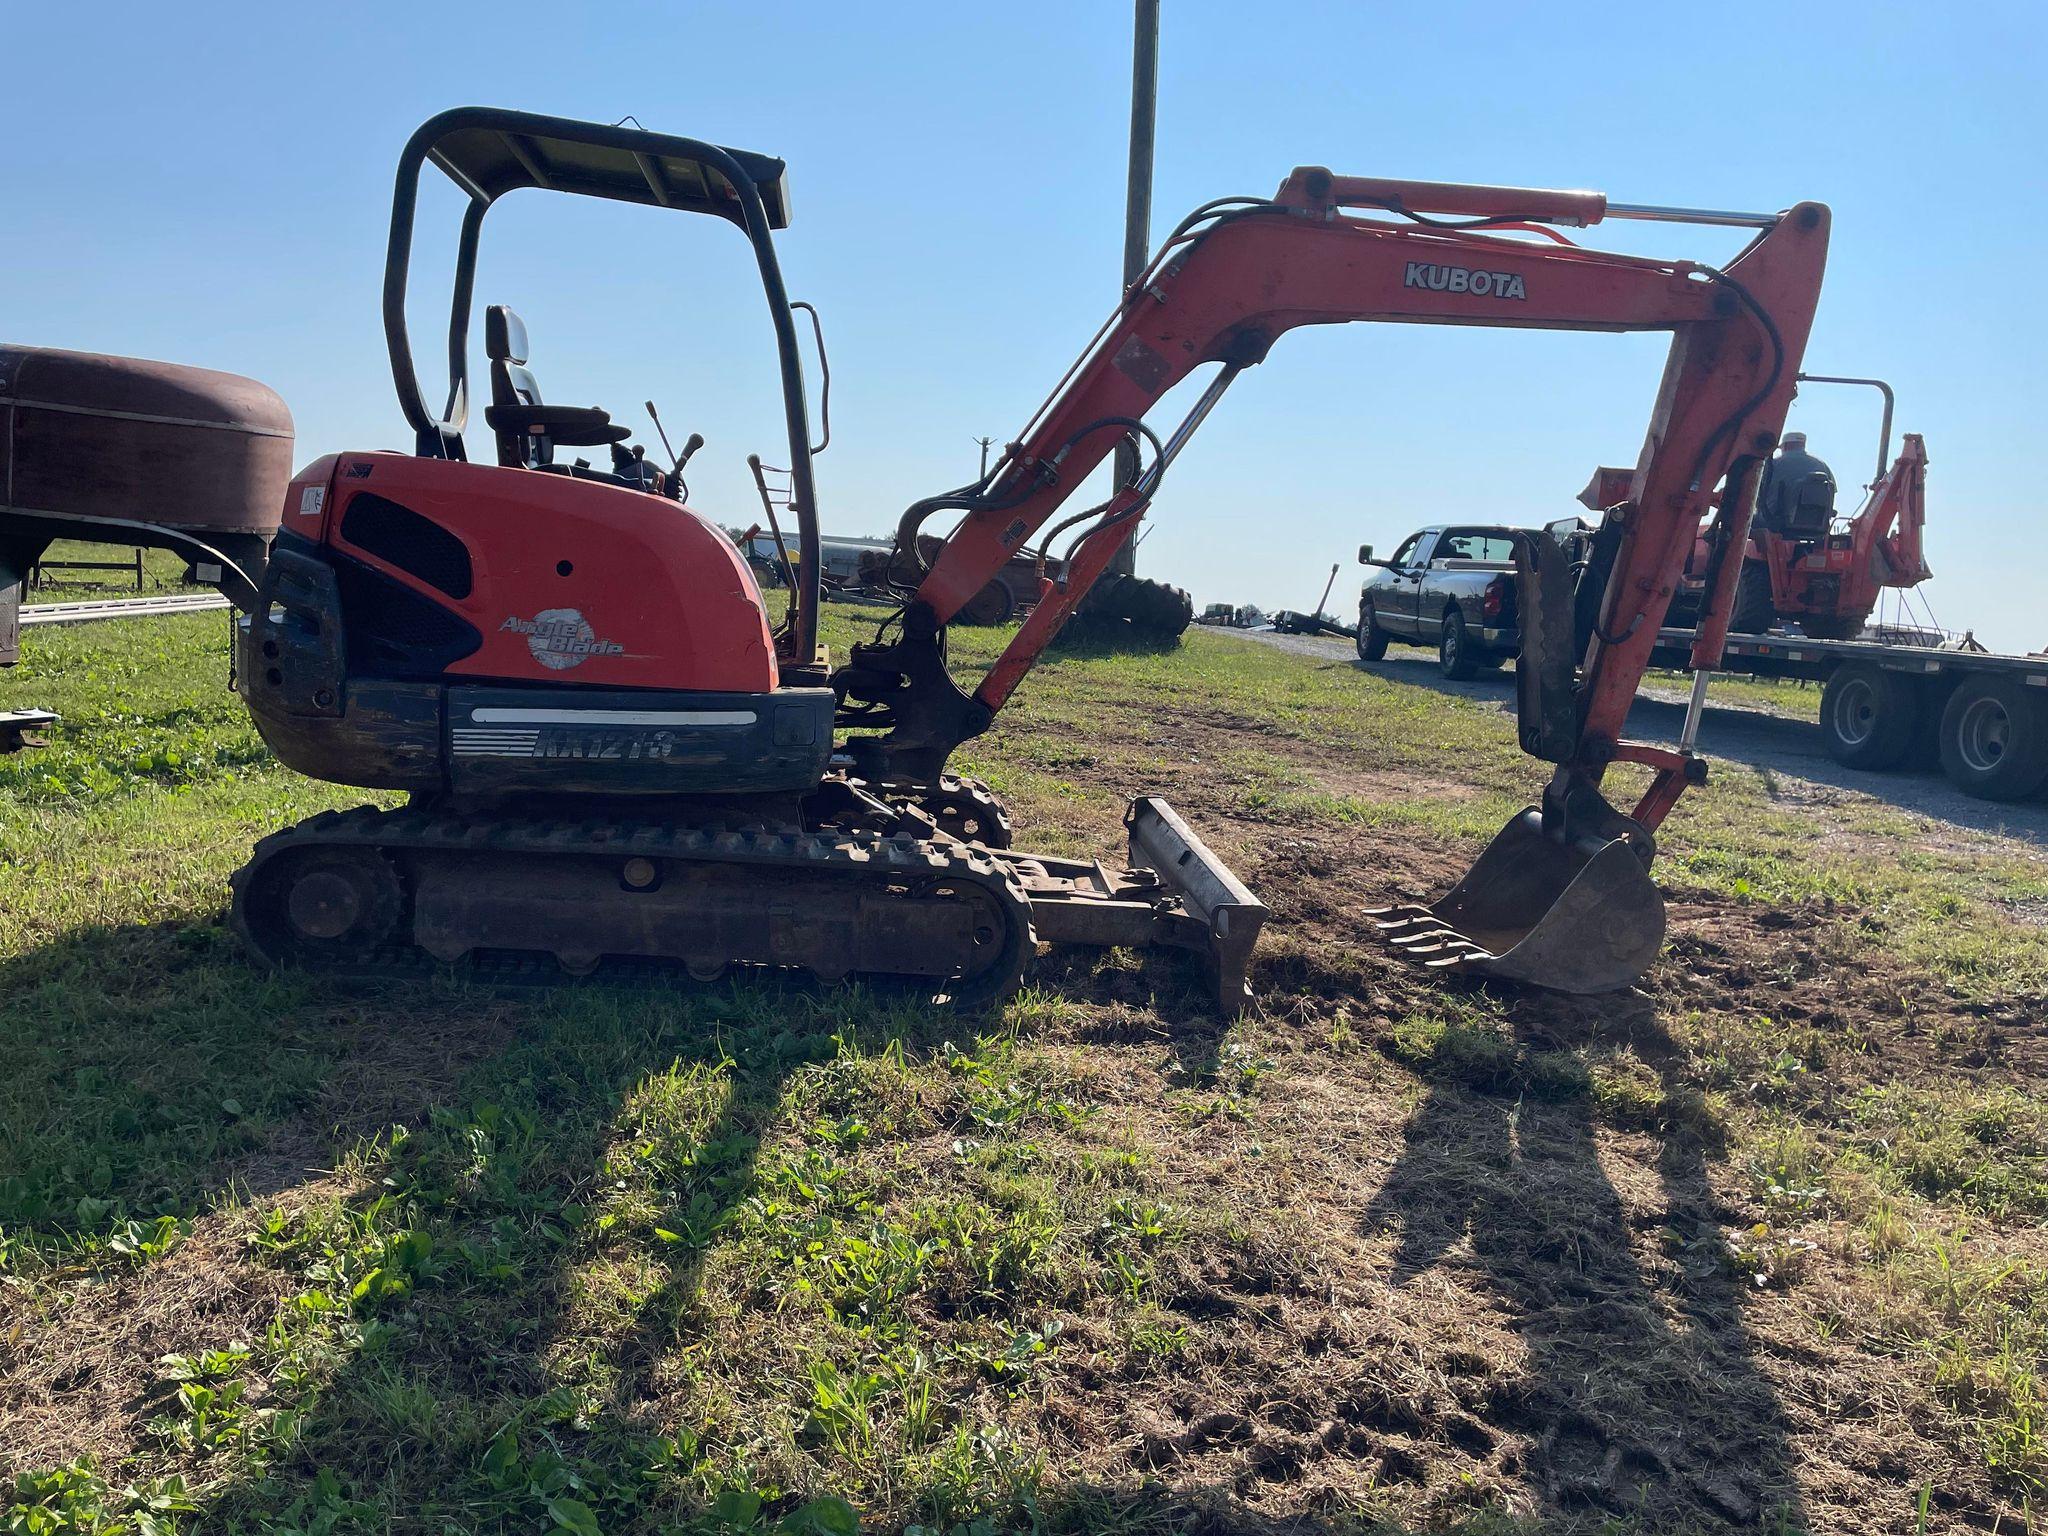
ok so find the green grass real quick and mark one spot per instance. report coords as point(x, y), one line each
point(282, 1255)
point(1779, 695)
point(162, 571)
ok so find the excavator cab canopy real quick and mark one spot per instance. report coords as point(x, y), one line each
point(488, 152)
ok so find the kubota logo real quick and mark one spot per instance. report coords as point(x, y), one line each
point(561, 638)
point(1442, 279)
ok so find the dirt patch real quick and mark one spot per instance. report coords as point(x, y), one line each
point(80, 1374)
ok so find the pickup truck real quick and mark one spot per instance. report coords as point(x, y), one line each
point(1452, 587)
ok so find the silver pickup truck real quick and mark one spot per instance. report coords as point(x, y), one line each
point(1452, 587)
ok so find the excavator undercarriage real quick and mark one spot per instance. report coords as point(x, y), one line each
point(880, 892)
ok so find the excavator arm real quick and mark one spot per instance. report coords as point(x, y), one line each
point(1238, 275)
point(1223, 295)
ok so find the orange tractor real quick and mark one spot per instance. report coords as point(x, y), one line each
point(1813, 569)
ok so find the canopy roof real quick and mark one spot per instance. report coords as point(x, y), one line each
point(489, 151)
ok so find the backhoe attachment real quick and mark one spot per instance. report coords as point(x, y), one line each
point(1562, 897)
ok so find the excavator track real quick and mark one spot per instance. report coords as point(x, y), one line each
point(959, 806)
point(411, 892)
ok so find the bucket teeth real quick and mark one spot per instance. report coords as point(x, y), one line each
point(1582, 917)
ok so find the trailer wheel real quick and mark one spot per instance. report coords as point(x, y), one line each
point(1372, 640)
point(993, 604)
point(1454, 656)
point(1994, 739)
point(1869, 717)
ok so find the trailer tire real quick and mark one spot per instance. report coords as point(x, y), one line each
point(1869, 717)
point(1372, 640)
point(1755, 608)
point(1454, 657)
point(1994, 739)
point(993, 604)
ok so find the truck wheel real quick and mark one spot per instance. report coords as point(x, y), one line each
point(1372, 640)
point(1869, 717)
point(1994, 739)
point(1454, 656)
point(1755, 609)
point(1814, 627)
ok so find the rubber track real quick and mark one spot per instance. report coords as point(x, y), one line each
point(409, 829)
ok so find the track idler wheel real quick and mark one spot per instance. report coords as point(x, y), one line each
point(319, 904)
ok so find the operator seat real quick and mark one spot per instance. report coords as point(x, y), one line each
point(528, 431)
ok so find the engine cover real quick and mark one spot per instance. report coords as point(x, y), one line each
point(562, 579)
point(435, 626)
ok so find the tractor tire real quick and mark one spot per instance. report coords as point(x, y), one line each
point(994, 604)
point(1755, 609)
point(1994, 739)
point(1372, 640)
point(1163, 612)
point(1455, 656)
point(1135, 608)
point(1833, 627)
point(1870, 718)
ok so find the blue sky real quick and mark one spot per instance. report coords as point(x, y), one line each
point(212, 185)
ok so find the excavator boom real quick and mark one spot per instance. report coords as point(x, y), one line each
point(1226, 286)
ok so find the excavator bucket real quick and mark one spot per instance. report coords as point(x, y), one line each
point(1575, 915)
point(1582, 917)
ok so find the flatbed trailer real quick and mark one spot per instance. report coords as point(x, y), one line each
point(1980, 716)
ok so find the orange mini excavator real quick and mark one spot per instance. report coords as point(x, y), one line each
point(617, 758)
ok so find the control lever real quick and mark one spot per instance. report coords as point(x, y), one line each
point(633, 467)
point(677, 489)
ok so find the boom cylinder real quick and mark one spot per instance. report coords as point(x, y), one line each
point(1313, 186)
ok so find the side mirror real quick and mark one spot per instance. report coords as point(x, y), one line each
point(1365, 554)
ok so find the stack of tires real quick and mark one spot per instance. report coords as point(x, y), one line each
point(1989, 732)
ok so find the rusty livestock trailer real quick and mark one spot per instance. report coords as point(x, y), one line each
point(122, 450)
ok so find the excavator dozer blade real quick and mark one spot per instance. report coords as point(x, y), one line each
point(1175, 892)
point(1582, 917)
point(1228, 913)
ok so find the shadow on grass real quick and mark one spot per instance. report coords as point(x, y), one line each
point(148, 1073)
point(1643, 1396)
point(1083, 638)
point(485, 1332)
point(490, 1359)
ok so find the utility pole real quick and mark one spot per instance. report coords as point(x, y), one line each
point(984, 441)
point(1138, 204)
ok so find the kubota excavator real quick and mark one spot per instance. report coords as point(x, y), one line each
point(617, 758)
